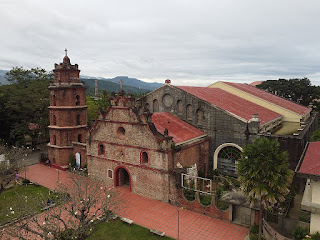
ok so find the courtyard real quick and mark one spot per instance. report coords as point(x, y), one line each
point(151, 213)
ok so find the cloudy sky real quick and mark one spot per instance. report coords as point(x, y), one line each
point(193, 42)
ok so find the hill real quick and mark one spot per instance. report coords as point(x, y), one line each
point(133, 82)
point(110, 86)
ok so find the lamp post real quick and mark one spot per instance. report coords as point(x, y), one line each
point(58, 174)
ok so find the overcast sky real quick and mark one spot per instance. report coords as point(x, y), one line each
point(193, 42)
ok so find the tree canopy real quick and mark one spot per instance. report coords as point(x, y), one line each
point(24, 105)
point(298, 90)
point(264, 174)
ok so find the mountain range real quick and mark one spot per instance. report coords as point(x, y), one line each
point(132, 85)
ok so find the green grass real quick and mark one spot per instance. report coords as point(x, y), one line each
point(22, 199)
point(118, 230)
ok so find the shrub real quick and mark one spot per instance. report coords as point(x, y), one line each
point(72, 161)
point(205, 199)
point(220, 190)
point(25, 181)
point(222, 205)
point(315, 236)
point(189, 194)
point(254, 229)
point(304, 217)
point(299, 232)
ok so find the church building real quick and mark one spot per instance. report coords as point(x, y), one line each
point(139, 151)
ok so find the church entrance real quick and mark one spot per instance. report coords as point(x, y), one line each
point(122, 178)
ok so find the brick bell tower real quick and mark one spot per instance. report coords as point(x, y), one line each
point(68, 115)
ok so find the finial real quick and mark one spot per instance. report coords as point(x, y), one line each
point(66, 50)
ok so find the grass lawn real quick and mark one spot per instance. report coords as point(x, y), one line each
point(28, 197)
point(118, 230)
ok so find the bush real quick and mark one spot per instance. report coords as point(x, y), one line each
point(315, 236)
point(189, 194)
point(305, 217)
point(222, 205)
point(220, 190)
point(254, 229)
point(25, 181)
point(205, 199)
point(72, 161)
point(299, 232)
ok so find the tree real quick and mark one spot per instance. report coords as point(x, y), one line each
point(25, 101)
point(82, 202)
point(93, 109)
point(264, 175)
point(316, 135)
point(298, 90)
point(10, 167)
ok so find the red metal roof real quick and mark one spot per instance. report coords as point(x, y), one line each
point(294, 107)
point(231, 103)
point(311, 161)
point(178, 129)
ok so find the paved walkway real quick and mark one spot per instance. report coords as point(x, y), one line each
point(152, 213)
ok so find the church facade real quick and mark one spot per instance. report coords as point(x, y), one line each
point(140, 151)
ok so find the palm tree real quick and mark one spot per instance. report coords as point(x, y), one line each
point(264, 174)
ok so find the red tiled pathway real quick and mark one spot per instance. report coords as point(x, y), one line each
point(152, 213)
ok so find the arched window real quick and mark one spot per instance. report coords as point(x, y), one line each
point(155, 105)
point(144, 158)
point(121, 132)
point(53, 100)
point(227, 159)
point(54, 140)
point(78, 119)
point(146, 107)
point(54, 120)
point(80, 138)
point(189, 112)
point(101, 149)
point(199, 115)
point(77, 100)
point(179, 106)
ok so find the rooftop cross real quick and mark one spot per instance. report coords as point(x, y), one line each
point(66, 50)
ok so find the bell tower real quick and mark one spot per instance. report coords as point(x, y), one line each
point(68, 113)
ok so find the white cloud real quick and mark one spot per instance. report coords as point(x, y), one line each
point(190, 42)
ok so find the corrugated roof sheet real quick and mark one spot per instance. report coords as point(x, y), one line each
point(294, 107)
point(311, 161)
point(231, 103)
point(178, 129)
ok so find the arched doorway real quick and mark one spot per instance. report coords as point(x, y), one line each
point(122, 177)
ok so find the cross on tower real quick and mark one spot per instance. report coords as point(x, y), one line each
point(66, 50)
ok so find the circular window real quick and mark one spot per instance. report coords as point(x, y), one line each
point(121, 132)
point(167, 100)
